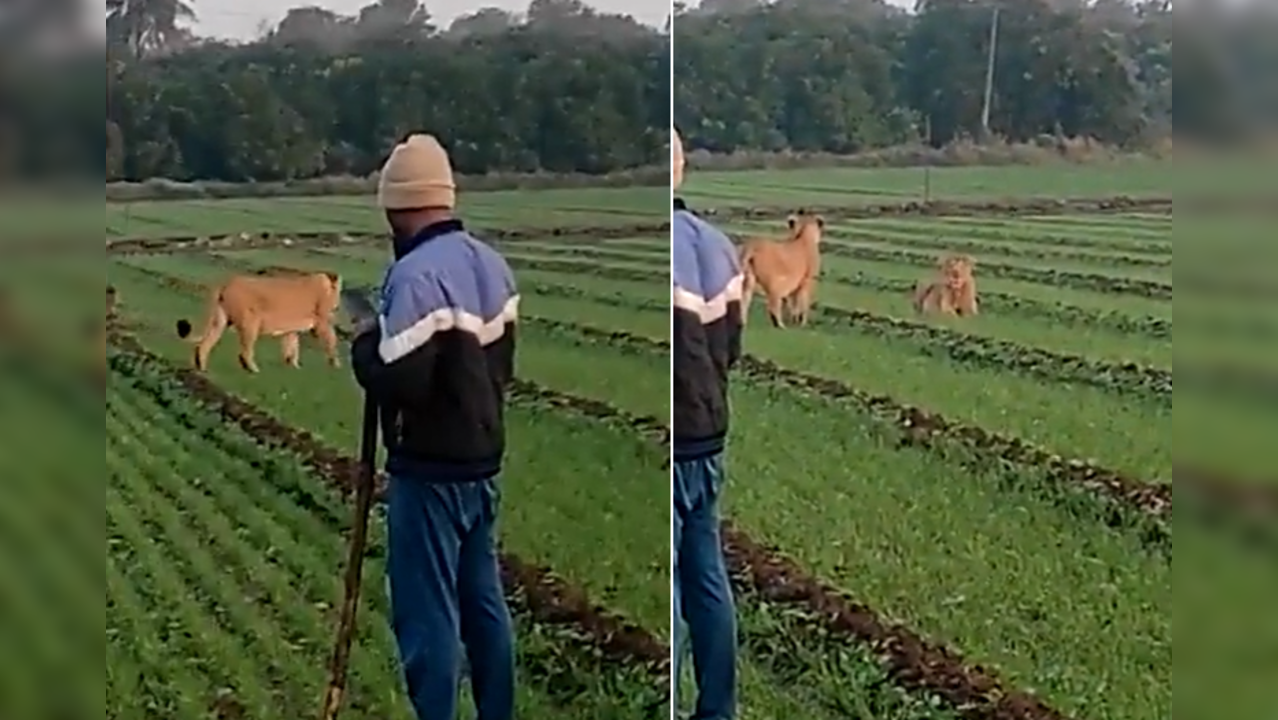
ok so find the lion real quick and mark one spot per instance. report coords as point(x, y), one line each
point(279, 306)
point(953, 293)
point(786, 271)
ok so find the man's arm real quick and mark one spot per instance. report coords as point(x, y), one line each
point(395, 361)
point(734, 321)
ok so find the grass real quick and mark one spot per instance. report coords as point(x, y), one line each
point(850, 186)
point(357, 214)
point(595, 510)
point(977, 555)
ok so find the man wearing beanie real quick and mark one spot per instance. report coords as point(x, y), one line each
point(707, 342)
point(438, 364)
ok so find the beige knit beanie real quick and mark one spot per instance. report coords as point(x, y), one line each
point(676, 159)
point(417, 175)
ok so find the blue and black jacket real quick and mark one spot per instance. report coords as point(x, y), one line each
point(707, 332)
point(440, 365)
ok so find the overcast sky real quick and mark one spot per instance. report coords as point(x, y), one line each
point(240, 18)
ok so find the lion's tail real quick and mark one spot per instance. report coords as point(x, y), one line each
point(215, 323)
point(748, 281)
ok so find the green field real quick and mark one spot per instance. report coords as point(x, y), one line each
point(249, 563)
point(224, 559)
point(832, 187)
point(1073, 353)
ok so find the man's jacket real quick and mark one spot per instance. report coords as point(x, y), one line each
point(440, 365)
point(707, 333)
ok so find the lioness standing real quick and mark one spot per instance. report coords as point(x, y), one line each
point(278, 306)
point(787, 270)
point(438, 362)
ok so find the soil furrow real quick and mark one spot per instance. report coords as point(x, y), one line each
point(545, 597)
point(1097, 282)
point(849, 239)
point(922, 428)
point(263, 240)
point(957, 208)
point(911, 661)
point(520, 389)
point(965, 348)
point(1010, 304)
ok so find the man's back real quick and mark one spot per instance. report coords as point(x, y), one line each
point(707, 332)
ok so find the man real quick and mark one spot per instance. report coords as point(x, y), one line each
point(438, 365)
point(707, 343)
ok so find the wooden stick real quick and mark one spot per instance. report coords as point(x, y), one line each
point(354, 563)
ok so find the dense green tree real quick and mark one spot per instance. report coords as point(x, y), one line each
point(845, 75)
point(518, 100)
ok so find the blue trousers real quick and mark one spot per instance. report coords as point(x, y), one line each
point(446, 594)
point(702, 595)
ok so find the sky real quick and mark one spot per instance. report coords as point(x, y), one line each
point(240, 19)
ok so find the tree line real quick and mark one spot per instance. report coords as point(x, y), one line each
point(844, 76)
point(563, 90)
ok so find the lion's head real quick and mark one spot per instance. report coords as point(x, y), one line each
point(805, 226)
point(956, 271)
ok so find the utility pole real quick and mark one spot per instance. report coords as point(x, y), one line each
point(989, 77)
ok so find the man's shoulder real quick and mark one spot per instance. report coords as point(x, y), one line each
point(691, 227)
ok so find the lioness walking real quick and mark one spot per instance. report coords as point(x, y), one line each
point(278, 306)
point(786, 270)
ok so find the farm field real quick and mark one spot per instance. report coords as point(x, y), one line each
point(998, 485)
point(556, 351)
point(982, 543)
point(545, 209)
point(221, 532)
point(822, 187)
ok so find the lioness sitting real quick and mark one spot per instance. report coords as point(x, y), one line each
point(953, 293)
point(786, 270)
point(278, 305)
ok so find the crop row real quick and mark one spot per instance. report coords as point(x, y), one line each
point(982, 351)
point(967, 348)
point(1121, 234)
point(920, 427)
point(766, 630)
point(1060, 278)
point(961, 347)
point(546, 261)
point(544, 208)
point(197, 244)
point(1009, 304)
point(938, 208)
point(535, 591)
point(1013, 250)
point(762, 574)
point(1001, 303)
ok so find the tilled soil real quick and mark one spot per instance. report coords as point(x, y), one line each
point(546, 598)
point(246, 241)
point(921, 428)
point(1126, 377)
point(912, 661)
